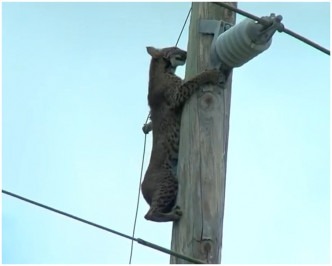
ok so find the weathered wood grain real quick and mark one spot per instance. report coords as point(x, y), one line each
point(203, 151)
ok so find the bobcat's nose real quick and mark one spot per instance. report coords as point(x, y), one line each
point(181, 57)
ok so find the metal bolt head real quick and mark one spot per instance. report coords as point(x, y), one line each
point(227, 26)
point(279, 18)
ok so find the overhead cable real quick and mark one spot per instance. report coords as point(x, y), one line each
point(283, 29)
point(184, 24)
point(138, 240)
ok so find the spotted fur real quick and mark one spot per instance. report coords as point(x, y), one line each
point(167, 94)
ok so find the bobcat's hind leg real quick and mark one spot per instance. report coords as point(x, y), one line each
point(163, 208)
point(157, 216)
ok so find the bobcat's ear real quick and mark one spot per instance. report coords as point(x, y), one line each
point(155, 53)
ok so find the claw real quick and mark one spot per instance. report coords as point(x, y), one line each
point(176, 209)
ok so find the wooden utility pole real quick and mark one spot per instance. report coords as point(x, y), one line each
point(203, 150)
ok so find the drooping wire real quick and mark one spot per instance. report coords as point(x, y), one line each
point(282, 29)
point(139, 193)
point(184, 24)
point(138, 240)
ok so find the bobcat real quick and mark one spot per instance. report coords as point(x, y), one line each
point(167, 94)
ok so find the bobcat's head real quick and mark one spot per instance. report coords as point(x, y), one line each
point(171, 57)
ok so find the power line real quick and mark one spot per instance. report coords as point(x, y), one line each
point(138, 240)
point(241, 12)
point(307, 41)
point(184, 24)
point(282, 28)
point(139, 193)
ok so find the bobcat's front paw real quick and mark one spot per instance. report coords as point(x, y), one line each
point(212, 76)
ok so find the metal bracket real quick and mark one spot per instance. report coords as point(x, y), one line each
point(215, 27)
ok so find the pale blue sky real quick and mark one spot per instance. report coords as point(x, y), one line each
point(74, 100)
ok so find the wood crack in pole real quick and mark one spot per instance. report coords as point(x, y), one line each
point(203, 150)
